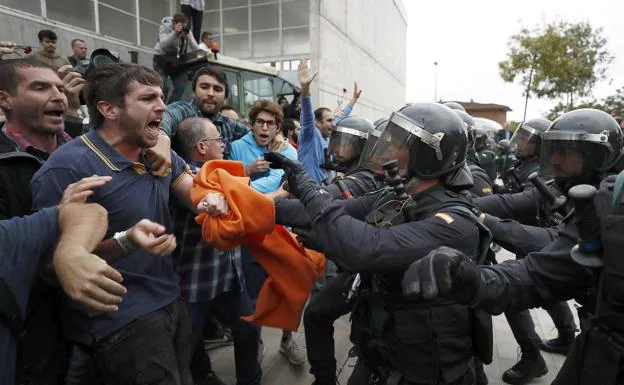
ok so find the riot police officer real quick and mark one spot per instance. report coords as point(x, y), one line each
point(527, 141)
point(484, 152)
point(580, 147)
point(482, 184)
point(379, 235)
point(505, 156)
point(329, 304)
point(349, 145)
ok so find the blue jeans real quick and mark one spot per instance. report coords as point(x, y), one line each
point(179, 84)
point(228, 307)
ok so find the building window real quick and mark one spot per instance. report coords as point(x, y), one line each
point(30, 6)
point(262, 1)
point(153, 10)
point(265, 43)
point(117, 24)
point(236, 45)
point(149, 34)
point(81, 14)
point(212, 4)
point(295, 13)
point(235, 20)
point(265, 17)
point(234, 3)
point(286, 65)
point(212, 22)
point(124, 5)
point(296, 41)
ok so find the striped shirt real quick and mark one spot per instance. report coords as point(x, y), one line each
point(205, 271)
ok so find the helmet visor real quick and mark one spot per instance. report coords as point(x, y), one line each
point(526, 141)
point(400, 135)
point(367, 151)
point(567, 155)
point(346, 144)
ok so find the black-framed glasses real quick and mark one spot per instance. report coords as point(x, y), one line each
point(262, 122)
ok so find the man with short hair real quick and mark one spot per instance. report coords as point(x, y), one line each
point(230, 112)
point(80, 52)
point(147, 339)
point(173, 41)
point(290, 129)
point(47, 53)
point(211, 279)
point(206, 41)
point(210, 89)
point(316, 129)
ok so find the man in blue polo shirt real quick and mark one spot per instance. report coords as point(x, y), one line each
point(148, 340)
point(27, 244)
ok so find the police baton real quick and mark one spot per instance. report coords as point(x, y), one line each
point(555, 202)
point(588, 251)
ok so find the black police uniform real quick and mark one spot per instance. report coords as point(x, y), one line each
point(557, 272)
point(330, 303)
point(543, 278)
point(379, 235)
point(522, 239)
point(516, 178)
point(483, 185)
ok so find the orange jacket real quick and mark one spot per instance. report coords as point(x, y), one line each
point(291, 268)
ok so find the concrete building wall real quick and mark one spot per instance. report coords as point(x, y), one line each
point(363, 41)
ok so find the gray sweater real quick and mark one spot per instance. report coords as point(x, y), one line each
point(169, 41)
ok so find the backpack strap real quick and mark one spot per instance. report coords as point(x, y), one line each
point(485, 235)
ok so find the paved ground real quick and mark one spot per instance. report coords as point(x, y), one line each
point(278, 371)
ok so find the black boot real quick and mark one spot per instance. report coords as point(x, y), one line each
point(559, 345)
point(530, 366)
point(480, 376)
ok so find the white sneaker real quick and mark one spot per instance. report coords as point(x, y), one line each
point(293, 352)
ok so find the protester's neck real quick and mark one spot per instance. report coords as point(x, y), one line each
point(115, 138)
point(45, 141)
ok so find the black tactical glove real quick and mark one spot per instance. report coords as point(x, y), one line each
point(446, 272)
point(308, 239)
point(300, 184)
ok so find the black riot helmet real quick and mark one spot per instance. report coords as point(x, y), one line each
point(428, 140)
point(503, 148)
point(470, 127)
point(348, 139)
point(373, 137)
point(581, 145)
point(527, 140)
point(455, 106)
point(480, 139)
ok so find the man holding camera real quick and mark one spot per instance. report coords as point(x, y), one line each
point(174, 39)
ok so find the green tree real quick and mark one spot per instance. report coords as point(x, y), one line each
point(612, 104)
point(561, 60)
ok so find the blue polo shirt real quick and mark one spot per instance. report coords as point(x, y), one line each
point(27, 245)
point(133, 194)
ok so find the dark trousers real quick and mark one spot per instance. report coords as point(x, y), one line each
point(318, 320)
point(195, 20)
point(228, 307)
point(362, 375)
point(523, 327)
point(153, 349)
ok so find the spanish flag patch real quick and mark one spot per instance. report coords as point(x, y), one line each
point(445, 217)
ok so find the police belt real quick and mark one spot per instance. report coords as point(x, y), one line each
point(10, 314)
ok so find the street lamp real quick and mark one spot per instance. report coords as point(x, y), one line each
point(435, 80)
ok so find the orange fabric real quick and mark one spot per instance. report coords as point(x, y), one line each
point(291, 268)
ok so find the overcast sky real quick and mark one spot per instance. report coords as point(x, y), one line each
point(469, 38)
